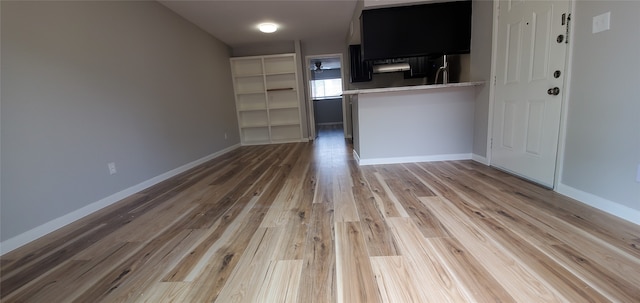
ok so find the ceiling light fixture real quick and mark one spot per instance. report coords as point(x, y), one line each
point(268, 27)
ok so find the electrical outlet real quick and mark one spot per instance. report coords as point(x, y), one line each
point(112, 168)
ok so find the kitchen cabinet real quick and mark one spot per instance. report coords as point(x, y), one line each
point(420, 68)
point(361, 71)
point(267, 99)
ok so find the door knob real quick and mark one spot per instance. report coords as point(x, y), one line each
point(553, 91)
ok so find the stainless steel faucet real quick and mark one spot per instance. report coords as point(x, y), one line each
point(445, 71)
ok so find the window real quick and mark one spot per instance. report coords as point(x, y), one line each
point(326, 89)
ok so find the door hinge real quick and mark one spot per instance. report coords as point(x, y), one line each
point(566, 19)
point(491, 143)
point(495, 80)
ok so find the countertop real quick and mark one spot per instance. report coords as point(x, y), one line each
point(410, 88)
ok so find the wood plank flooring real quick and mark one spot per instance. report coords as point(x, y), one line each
point(304, 223)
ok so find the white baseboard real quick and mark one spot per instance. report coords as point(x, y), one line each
point(480, 159)
point(430, 158)
point(356, 156)
point(46, 228)
point(616, 209)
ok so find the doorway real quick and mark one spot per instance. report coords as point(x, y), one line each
point(325, 85)
point(529, 89)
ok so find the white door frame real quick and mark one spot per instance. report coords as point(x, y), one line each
point(310, 112)
point(564, 101)
point(564, 113)
point(492, 78)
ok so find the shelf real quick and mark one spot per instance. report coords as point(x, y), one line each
point(285, 123)
point(287, 116)
point(280, 89)
point(247, 67)
point(283, 99)
point(283, 107)
point(279, 65)
point(254, 92)
point(253, 118)
point(254, 126)
point(267, 98)
point(286, 140)
point(248, 75)
point(255, 135)
point(277, 74)
point(246, 102)
point(249, 109)
point(286, 133)
point(281, 81)
point(249, 85)
point(260, 93)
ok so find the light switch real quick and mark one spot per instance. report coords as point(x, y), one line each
point(601, 22)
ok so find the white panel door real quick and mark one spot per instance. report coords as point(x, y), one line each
point(530, 65)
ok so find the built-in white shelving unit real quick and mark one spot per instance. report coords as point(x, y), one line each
point(267, 102)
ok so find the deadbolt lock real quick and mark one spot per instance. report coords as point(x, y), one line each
point(560, 38)
point(556, 74)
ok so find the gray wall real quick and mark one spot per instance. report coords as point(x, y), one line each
point(87, 83)
point(328, 111)
point(481, 35)
point(602, 148)
point(262, 49)
point(323, 47)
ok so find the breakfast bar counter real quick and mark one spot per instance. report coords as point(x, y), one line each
point(413, 123)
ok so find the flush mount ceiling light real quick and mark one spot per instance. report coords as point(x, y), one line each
point(268, 27)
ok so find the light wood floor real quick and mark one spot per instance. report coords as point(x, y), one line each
point(303, 223)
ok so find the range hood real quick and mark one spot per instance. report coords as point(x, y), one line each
point(391, 67)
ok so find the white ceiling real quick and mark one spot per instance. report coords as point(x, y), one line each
point(234, 21)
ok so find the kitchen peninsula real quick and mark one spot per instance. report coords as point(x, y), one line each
point(413, 123)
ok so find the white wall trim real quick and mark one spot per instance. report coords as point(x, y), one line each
point(356, 156)
point(492, 77)
point(564, 109)
point(600, 203)
point(480, 159)
point(430, 158)
point(55, 224)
